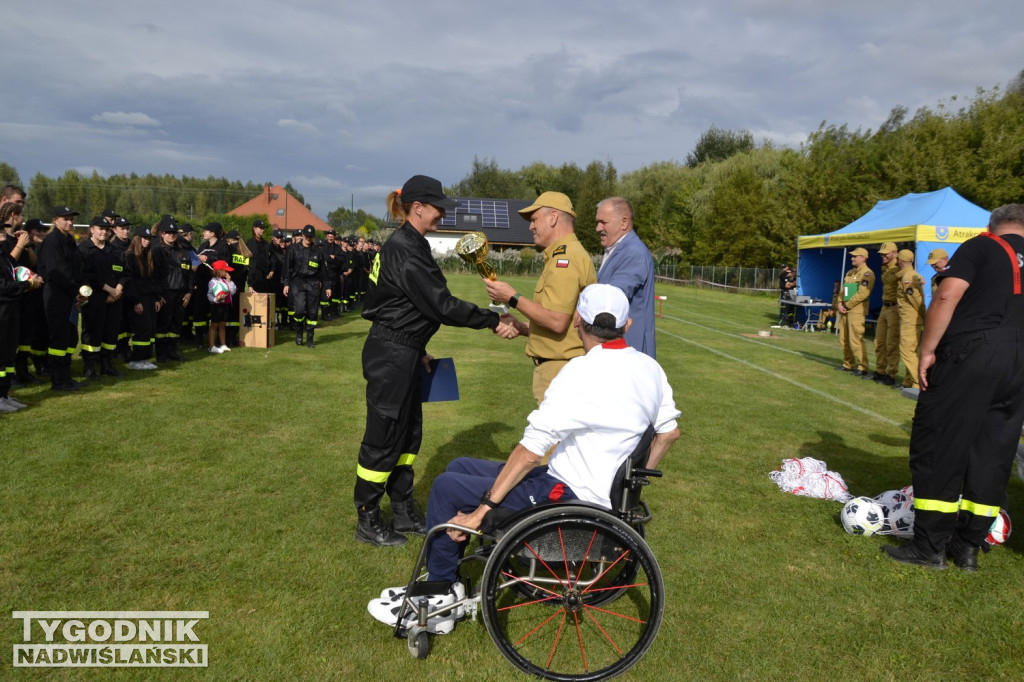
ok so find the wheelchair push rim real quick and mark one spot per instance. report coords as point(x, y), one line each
point(572, 594)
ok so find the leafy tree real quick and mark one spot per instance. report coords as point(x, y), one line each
point(716, 144)
point(9, 175)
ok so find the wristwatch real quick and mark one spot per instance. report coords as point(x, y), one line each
point(487, 501)
point(514, 300)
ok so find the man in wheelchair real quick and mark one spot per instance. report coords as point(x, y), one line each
point(594, 414)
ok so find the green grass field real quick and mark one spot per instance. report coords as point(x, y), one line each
point(224, 484)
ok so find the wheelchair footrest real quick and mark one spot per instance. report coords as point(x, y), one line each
point(428, 588)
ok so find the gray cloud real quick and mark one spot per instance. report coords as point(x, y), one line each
point(344, 101)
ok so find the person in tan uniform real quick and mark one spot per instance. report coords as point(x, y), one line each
point(568, 269)
point(853, 309)
point(911, 307)
point(887, 332)
point(939, 260)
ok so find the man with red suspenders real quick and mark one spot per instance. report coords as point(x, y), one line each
point(969, 414)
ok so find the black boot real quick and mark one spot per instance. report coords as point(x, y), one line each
point(107, 366)
point(42, 365)
point(91, 368)
point(309, 337)
point(371, 530)
point(915, 556)
point(173, 352)
point(60, 377)
point(407, 518)
point(298, 336)
point(963, 555)
point(22, 376)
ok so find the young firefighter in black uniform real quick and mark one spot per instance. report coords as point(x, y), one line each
point(261, 272)
point(240, 255)
point(62, 268)
point(304, 276)
point(32, 338)
point(333, 257)
point(101, 317)
point(967, 423)
point(277, 253)
point(176, 288)
point(119, 241)
point(408, 301)
point(11, 292)
point(145, 272)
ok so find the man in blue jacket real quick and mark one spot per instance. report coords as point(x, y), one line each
point(629, 266)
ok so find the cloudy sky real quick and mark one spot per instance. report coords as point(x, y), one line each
point(348, 99)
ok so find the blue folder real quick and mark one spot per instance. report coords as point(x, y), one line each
point(441, 384)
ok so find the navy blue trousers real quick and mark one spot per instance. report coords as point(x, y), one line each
point(460, 488)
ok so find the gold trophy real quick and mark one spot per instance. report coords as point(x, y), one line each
point(472, 247)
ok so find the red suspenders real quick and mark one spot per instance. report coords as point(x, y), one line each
point(1013, 259)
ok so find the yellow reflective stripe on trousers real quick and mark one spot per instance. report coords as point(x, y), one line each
point(407, 459)
point(921, 504)
point(372, 476)
point(56, 352)
point(979, 509)
point(91, 349)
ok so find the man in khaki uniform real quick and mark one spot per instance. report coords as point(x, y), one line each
point(853, 309)
point(911, 306)
point(568, 269)
point(938, 259)
point(887, 332)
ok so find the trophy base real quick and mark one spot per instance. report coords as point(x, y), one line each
point(500, 308)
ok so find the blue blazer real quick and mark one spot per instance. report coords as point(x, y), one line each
point(630, 267)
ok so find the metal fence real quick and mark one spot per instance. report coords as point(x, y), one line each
point(747, 280)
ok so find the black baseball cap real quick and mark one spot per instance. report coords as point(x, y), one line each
point(121, 222)
point(309, 231)
point(143, 231)
point(109, 213)
point(426, 190)
point(213, 227)
point(98, 221)
point(35, 224)
point(232, 234)
point(167, 224)
point(62, 211)
point(260, 224)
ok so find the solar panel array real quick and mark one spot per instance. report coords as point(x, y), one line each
point(479, 213)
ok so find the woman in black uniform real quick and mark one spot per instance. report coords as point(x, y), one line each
point(407, 301)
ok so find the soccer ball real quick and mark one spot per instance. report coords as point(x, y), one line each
point(901, 521)
point(1000, 530)
point(892, 499)
point(862, 516)
point(219, 290)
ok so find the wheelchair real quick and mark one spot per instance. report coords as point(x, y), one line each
point(568, 590)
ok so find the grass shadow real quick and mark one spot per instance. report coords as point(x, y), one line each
point(479, 441)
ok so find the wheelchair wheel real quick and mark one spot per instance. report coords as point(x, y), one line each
point(418, 643)
point(572, 594)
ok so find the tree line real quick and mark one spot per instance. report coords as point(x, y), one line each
point(737, 203)
point(732, 202)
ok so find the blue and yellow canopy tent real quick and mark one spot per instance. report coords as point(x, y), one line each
point(919, 222)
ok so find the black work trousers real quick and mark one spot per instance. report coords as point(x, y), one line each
point(394, 422)
point(965, 432)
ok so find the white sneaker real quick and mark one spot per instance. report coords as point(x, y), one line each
point(387, 613)
point(146, 364)
point(216, 350)
point(395, 594)
point(6, 407)
point(17, 404)
point(136, 364)
point(225, 349)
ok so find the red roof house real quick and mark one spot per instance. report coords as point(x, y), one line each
point(285, 211)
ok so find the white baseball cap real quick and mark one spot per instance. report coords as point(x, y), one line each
point(603, 298)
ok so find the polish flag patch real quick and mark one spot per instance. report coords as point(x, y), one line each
point(562, 263)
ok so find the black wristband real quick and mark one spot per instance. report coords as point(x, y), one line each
point(487, 501)
point(514, 300)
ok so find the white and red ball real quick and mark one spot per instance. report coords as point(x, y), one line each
point(1000, 530)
